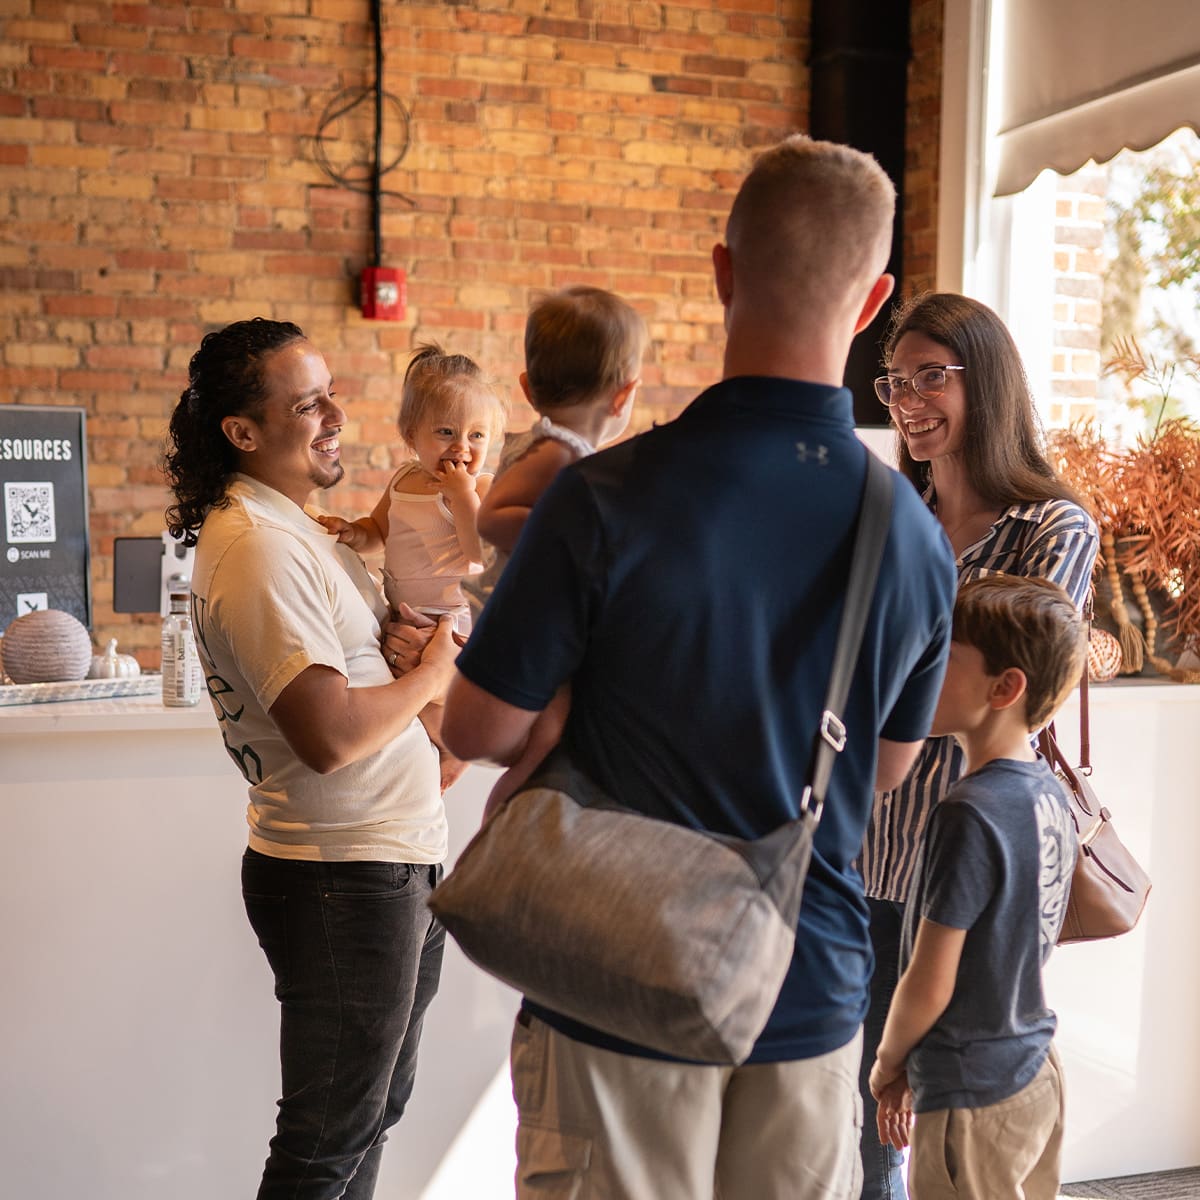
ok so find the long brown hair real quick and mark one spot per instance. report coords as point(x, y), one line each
point(1003, 439)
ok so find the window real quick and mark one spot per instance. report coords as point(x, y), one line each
point(1071, 82)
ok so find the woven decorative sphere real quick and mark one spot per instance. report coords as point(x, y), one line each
point(1103, 655)
point(46, 646)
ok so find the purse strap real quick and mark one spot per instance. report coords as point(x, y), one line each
point(874, 520)
point(1085, 735)
point(1048, 742)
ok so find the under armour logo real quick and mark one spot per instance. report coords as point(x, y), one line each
point(818, 454)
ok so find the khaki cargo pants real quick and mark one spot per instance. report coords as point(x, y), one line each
point(596, 1125)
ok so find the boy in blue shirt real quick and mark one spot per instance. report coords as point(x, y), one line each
point(968, 1039)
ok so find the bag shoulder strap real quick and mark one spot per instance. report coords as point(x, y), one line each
point(1048, 742)
point(874, 521)
point(1085, 735)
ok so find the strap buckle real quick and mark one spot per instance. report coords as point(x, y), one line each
point(806, 799)
point(833, 731)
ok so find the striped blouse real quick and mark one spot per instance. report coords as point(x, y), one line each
point(1053, 539)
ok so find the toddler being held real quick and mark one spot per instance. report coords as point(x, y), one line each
point(583, 360)
point(425, 521)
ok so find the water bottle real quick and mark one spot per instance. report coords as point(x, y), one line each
point(182, 677)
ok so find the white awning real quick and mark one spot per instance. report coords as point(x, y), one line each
point(1083, 79)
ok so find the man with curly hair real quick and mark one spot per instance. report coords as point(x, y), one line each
point(347, 827)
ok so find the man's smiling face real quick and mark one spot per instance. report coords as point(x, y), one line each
point(294, 438)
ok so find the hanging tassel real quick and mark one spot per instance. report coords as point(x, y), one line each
point(1132, 646)
point(1163, 666)
point(1149, 621)
point(1178, 674)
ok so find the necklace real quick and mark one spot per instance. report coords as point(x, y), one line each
point(975, 520)
point(969, 522)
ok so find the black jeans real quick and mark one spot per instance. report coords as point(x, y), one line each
point(356, 956)
point(883, 1167)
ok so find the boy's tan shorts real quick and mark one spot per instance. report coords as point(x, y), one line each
point(1005, 1151)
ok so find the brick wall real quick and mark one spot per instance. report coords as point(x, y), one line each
point(159, 180)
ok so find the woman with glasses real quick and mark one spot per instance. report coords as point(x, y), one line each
point(969, 440)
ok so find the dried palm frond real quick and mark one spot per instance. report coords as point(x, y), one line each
point(1161, 493)
point(1083, 461)
point(1146, 501)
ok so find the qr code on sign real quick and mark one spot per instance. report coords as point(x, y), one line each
point(29, 512)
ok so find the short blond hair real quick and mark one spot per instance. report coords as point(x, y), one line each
point(811, 223)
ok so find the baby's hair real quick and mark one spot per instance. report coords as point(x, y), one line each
point(435, 379)
point(1028, 623)
point(581, 344)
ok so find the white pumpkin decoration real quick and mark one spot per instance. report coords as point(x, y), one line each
point(46, 646)
point(111, 665)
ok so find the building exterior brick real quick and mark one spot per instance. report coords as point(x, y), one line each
point(1079, 207)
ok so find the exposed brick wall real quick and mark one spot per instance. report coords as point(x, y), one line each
point(159, 180)
point(1079, 266)
point(923, 136)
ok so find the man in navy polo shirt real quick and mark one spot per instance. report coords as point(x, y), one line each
point(688, 583)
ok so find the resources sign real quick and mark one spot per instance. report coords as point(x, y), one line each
point(43, 510)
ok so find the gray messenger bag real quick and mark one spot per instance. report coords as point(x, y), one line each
point(672, 938)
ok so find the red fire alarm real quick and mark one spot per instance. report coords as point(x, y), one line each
point(383, 294)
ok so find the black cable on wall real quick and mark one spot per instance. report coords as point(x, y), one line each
point(364, 172)
point(377, 156)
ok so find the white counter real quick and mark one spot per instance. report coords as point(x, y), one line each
point(125, 714)
point(139, 1029)
point(137, 1024)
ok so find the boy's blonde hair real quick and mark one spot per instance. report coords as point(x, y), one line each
point(581, 344)
point(812, 222)
point(435, 380)
point(1031, 624)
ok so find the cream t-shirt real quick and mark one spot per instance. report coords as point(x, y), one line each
point(272, 594)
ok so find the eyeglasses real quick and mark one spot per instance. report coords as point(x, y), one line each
point(929, 383)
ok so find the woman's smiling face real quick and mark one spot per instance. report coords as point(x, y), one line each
point(931, 428)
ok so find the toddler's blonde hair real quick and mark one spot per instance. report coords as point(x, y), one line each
point(451, 383)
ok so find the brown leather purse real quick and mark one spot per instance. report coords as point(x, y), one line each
point(1108, 889)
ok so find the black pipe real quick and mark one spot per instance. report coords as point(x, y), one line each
point(858, 72)
point(377, 158)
